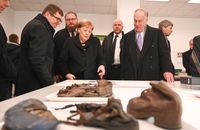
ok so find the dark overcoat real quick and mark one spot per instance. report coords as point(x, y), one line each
point(154, 58)
point(77, 59)
point(7, 69)
point(37, 56)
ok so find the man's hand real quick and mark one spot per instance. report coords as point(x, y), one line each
point(168, 77)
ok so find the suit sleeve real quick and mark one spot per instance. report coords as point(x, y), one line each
point(63, 59)
point(59, 42)
point(37, 54)
point(164, 55)
point(7, 69)
point(100, 56)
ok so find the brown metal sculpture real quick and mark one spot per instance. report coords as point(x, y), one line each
point(160, 102)
point(103, 88)
point(109, 116)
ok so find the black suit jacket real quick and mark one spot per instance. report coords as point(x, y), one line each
point(154, 57)
point(36, 58)
point(7, 69)
point(187, 61)
point(59, 39)
point(108, 52)
point(77, 60)
point(13, 50)
point(169, 48)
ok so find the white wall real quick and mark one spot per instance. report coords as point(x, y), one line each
point(125, 10)
point(102, 23)
point(184, 28)
point(7, 20)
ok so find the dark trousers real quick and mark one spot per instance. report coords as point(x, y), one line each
point(115, 72)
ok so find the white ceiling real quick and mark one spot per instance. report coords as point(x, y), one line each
point(174, 8)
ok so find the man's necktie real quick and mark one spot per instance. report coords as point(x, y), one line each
point(139, 41)
point(114, 45)
point(114, 42)
point(168, 45)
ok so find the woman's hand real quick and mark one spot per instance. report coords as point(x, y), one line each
point(101, 71)
point(70, 76)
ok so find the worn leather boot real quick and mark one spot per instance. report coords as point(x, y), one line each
point(160, 102)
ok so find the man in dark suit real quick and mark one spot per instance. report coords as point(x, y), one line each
point(7, 69)
point(111, 51)
point(187, 58)
point(144, 53)
point(191, 58)
point(37, 50)
point(13, 49)
point(61, 36)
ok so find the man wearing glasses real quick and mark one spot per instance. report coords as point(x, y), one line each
point(62, 35)
point(37, 47)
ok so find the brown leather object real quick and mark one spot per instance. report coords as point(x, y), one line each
point(110, 116)
point(103, 88)
point(161, 102)
point(30, 114)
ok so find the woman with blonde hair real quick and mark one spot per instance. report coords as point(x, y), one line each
point(82, 57)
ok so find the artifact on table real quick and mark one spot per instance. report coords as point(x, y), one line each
point(103, 88)
point(30, 114)
point(109, 116)
point(160, 102)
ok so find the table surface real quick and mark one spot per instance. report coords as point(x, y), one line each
point(123, 90)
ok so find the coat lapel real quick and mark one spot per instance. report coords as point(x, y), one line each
point(132, 47)
point(147, 41)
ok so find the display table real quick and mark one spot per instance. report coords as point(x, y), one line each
point(124, 90)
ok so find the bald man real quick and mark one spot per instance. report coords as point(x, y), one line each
point(111, 49)
point(144, 53)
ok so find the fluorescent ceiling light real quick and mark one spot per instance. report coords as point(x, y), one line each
point(194, 1)
point(159, 0)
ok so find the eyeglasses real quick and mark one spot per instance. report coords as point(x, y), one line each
point(59, 19)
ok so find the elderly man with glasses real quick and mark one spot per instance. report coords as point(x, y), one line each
point(37, 50)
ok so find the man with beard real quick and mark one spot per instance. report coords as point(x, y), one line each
point(61, 36)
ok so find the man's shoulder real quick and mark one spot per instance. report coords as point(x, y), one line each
point(129, 34)
point(187, 52)
point(110, 35)
point(61, 31)
point(33, 24)
point(150, 28)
